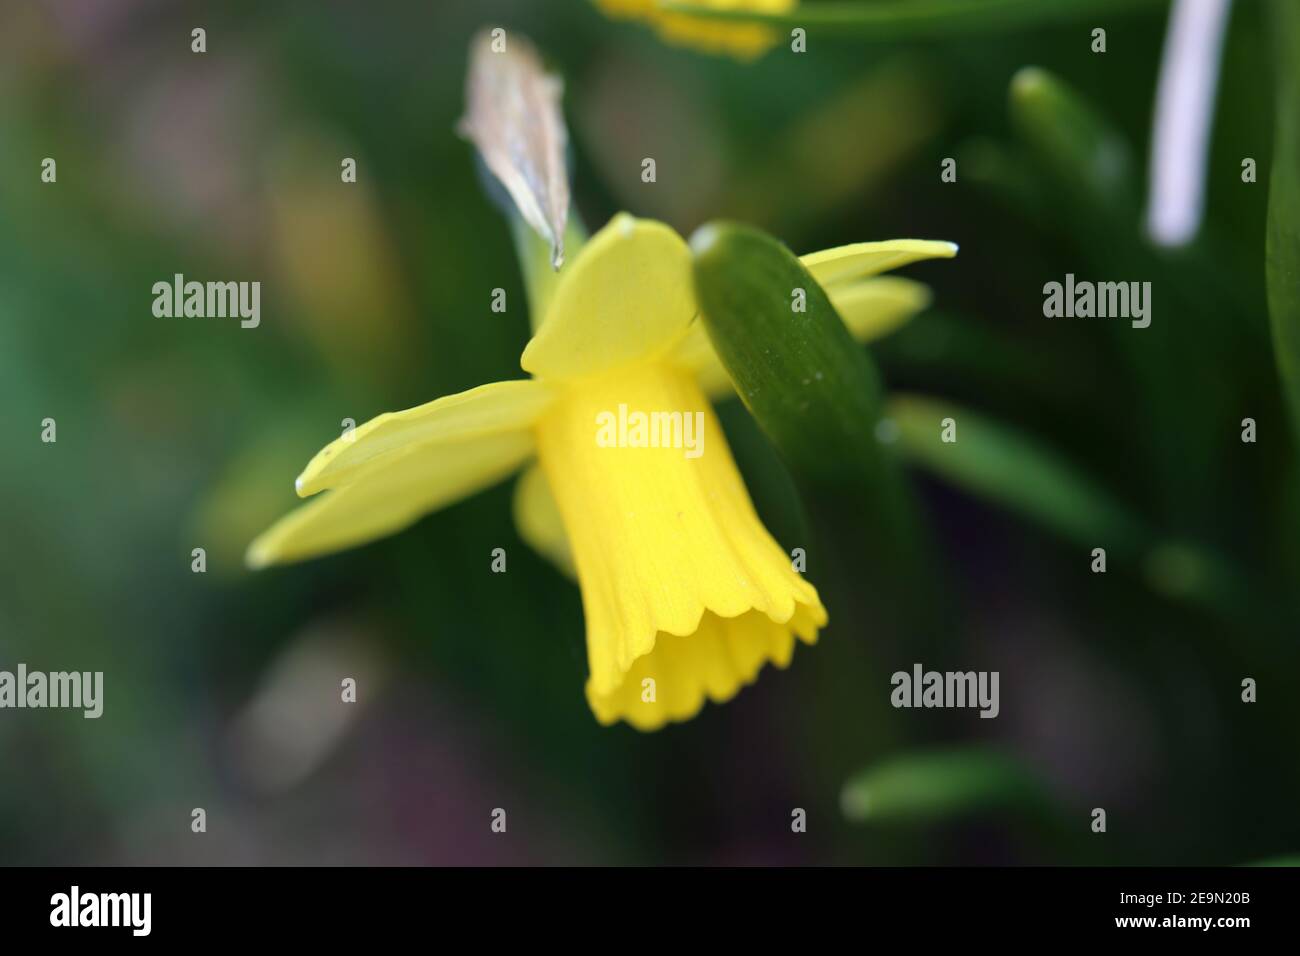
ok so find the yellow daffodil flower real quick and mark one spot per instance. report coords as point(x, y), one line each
point(744, 41)
point(686, 594)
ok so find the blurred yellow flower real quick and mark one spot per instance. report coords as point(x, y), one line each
point(686, 594)
point(742, 40)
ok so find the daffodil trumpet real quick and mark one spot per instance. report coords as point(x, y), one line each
point(686, 595)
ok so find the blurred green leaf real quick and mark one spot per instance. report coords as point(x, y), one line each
point(1185, 572)
point(996, 462)
point(918, 18)
point(1078, 145)
point(1091, 176)
point(1282, 245)
point(933, 787)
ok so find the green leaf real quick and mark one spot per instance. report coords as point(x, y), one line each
point(1282, 243)
point(917, 18)
point(1073, 140)
point(995, 462)
point(810, 386)
point(817, 396)
point(934, 787)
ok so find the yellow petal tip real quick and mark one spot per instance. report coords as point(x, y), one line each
point(312, 478)
point(257, 557)
point(624, 223)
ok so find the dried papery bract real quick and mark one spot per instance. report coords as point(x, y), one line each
point(513, 117)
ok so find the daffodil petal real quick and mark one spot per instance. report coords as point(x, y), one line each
point(390, 494)
point(863, 259)
point(626, 296)
point(871, 308)
point(721, 656)
point(538, 520)
point(667, 543)
point(486, 410)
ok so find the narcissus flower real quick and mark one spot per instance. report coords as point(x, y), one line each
point(742, 40)
point(686, 594)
